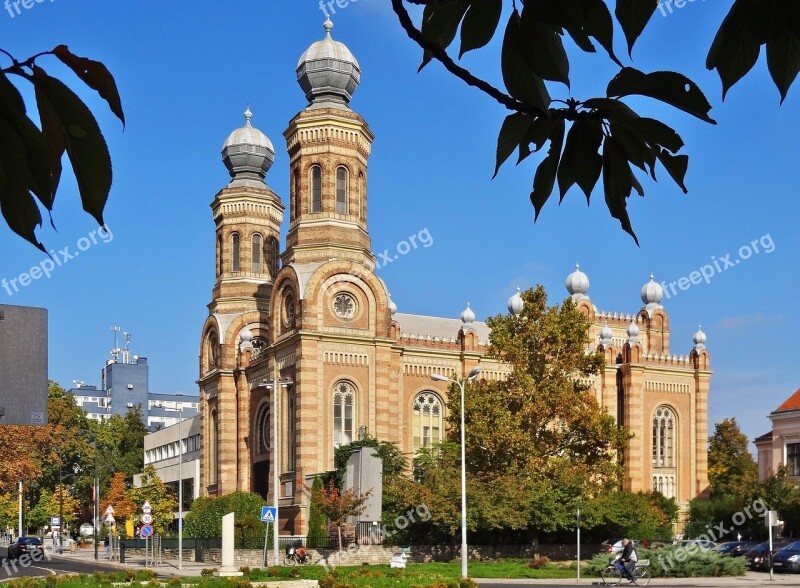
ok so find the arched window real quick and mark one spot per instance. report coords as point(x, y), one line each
point(427, 420)
point(341, 190)
point(219, 256)
point(212, 355)
point(291, 429)
point(362, 198)
point(256, 252)
point(664, 438)
point(344, 413)
point(235, 252)
point(213, 462)
point(262, 430)
point(296, 196)
point(316, 188)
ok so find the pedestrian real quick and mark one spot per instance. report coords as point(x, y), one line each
point(54, 534)
point(107, 543)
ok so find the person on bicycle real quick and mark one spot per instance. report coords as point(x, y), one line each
point(628, 557)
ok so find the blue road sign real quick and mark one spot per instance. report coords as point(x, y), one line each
point(146, 530)
point(55, 521)
point(268, 514)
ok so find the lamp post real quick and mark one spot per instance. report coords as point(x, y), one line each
point(272, 385)
point(471, 376)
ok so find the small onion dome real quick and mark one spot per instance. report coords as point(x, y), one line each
point(605, 335)
point(699, 339)
point(652, 292)
point(515, 303)
point(392, 306)
point(328, 72)
point(246, 335)
point(248, 153)
point(577, 284)
point(633, 332)
point(467, 316)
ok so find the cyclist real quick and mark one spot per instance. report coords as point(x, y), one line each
point(628, 557)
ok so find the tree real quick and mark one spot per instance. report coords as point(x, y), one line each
point(30, 158)
point(161, 499)
point(121, 443)
point(605, 136)
point(316, 518)
point(731, 468)
point(118, 497)
point(393, 460)
point(53, 504)
point(621, 513)
point(338, 506)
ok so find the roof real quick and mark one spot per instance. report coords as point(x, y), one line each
point(791, 403)
point(417, 324)
point(763, 438)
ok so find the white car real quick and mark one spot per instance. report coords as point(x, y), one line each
point(617, 547)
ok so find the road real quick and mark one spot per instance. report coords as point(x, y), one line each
point(47, 566)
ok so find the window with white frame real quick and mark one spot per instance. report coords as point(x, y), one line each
point(426, 420)
point(344, 413)
point(793, 459)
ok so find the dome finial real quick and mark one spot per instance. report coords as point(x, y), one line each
point(699, 339)
point(248, 154)
point(328, 72)
point(247, 116)
point(606, 334)
point(651, 294)
point(468, 316)
point(328, 24)
point(515, 303)
point(577, 284)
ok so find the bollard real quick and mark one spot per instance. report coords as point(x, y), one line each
point(122, 552)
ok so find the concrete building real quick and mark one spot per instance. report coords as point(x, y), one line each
point(781, 446)
point(161, 450)
point(23, 365)
point(313, 330)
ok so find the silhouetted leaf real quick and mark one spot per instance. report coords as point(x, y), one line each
point(597, 22)
point(515, 127)
point(783, 60)
point(84, 142)
point(543, 49)
point(656, 132)
point(53, 134)
point(676, 166)
point(545, 177)
point(611, 108)
point(538, 134)
point(440, 23)
point(617, 183)
point(95, 75)
point(520, 81)
point(633, 16)
point(631, 144)
point(736, 45)
point(581, 163)
point(667, 86)
point(480, 24)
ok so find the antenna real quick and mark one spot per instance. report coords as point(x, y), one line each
point(126, 352)
point(115, 350)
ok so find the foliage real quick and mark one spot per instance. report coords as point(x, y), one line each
point(599, 136)
point(781, 493)
point(393, 459)
point(731, 467)
point(204, 519)
point(678, 562)
point(121, 443)
point(53, 504)
point(317, 522)
point(620, 513)
point(118, 497)
point(338, 505)
point(161, 499)
point(30, 158)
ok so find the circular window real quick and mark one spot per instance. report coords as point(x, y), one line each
point(287, 314)
point(344, 305)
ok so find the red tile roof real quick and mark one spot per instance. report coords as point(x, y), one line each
point(791, 403)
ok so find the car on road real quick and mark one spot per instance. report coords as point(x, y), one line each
point(616, 547)
point(787, 558)
point(695, 543)
point(735, 548)
point(758, 557)
point(25, 545)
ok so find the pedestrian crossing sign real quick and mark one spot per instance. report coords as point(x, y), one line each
point(268, 514)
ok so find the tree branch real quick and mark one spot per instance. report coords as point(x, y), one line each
point(458, 71)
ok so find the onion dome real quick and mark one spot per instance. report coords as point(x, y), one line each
point(515, 303)
point(699, 339)
point(392, 306)
point(633, 332)
point(577, 284)
point(328, 72)
point(605, 335)
point(467, 316)
point(651, 293)
point(248, 153)
point(246, 339)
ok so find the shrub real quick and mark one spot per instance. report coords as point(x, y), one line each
point(207, 571)
point(538, 562)
point(678, 562)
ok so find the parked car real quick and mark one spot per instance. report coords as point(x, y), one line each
point(24, 545)
point(787, 558)
point(735, 548)
point(758, 557)
point(701, 543)
point(616, 547)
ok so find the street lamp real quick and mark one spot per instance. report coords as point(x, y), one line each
point(272, 385)
point(471, 376)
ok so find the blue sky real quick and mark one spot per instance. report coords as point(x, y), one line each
point(186, 70)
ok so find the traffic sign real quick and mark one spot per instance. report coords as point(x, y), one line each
point(147, 518)
point(268, 514)
point(146, 531)
point(55, 521)
point(146, 508)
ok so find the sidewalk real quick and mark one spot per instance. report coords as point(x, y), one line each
point(168, 568)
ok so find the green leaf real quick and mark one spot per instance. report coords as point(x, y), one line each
point(543, 49)
point(617, 183)
point(480, 24)
point(95, 75)
point(737, 44)
point(84, 142)
point(667, 86)
point(656, 132)
point(545, 177)
point(440, 23)
point(783, 61)
point(633, 16)
point(16, 203)
point(520, 81)
point(581, 163)
point(515, 127)
point(676, 166)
